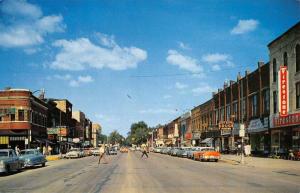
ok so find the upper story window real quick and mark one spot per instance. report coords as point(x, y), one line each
point(243, 108)
point(274, 70)
point(254, 105)
point(235, 110)
point(21, 116)
point(12, 117)
point(297, 58)
point(298, 95)
point(285, 59)
point(228, 113)
point(274, 101)
point(266, 101)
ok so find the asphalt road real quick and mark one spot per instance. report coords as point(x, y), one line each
point(157, 174)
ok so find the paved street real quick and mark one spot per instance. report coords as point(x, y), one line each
point(160, 173)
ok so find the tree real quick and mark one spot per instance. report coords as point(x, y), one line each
point(115, 137)
point(102, 138)
point(138, 133)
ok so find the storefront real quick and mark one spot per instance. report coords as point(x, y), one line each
point(259, 136)
point(285, 134)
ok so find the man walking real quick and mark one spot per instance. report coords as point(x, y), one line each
point(102, 154)
point(144, 151)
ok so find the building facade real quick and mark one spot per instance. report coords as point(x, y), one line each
point(284, 51)
point(96, 130)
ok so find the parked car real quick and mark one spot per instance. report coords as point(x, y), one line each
point(95, 152)
point(124, 150)
point(190, 152)
point(32, 157)
point(182, 152)
point(207, 154)
point(113, 151)
point(174, 152)
point(9, 161)
point(75, 153)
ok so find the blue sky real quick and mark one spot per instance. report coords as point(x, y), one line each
point(125, 61)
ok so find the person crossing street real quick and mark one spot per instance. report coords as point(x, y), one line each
point(144, 151)
point(102, 154)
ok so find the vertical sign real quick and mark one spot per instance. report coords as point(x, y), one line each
point(283, 90)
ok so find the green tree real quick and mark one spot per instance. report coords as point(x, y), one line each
point(115, 137)
point(102, 138)
point(138, 134)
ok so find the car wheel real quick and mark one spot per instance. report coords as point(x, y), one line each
point(216, 160)
point(43, 164)
point(7, 169)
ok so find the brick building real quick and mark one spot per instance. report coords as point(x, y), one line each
point(23, 119)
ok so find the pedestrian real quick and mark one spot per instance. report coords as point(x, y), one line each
point(49, 150)
point(144, 152)
point(44, 150)
point(17, 150)
point(102, 154)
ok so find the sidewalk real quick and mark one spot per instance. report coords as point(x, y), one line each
point(267, 163)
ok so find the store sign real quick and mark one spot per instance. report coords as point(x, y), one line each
point(196, 135)
point(291, 119)
point(188, 136)
point(61, 131)
point(256, 125)
point(283, 90)
point(225, 125)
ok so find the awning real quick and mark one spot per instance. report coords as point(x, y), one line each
point(207, 141)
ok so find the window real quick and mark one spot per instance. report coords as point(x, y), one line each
point(274, 70)
point(21, 115)
point(285, 59)
point(297, 58)
point(0, 118)
point(222, 114)
point(217, 116)
point(235, 110)
point(254, 105)
point(298, 95)
point(228, 113)
point(275, 101)
point(12, 117)
point(243, 108)
point(266, 101)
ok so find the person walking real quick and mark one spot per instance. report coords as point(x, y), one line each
point(102, 154)
point(17, 150)
point(144, 152)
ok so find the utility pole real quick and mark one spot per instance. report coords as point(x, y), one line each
point(242, 135)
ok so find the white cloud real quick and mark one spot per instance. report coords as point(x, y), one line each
point(167, 96)
point(217, 60)
point(63, 77)
point(81, 54)
point(203, 89)
point(158, 111)
point(183, 62)
point(245, 26)
point(25, 24)
point(81, 80)
point(180, 86)
point(216, 67)
point(183, 46)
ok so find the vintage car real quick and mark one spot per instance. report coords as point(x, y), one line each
point(32, 157)
point(95, 152)
point(124, 150)
point(9, 161)
point(75, 153)
point(207, 154)
point(113, 151)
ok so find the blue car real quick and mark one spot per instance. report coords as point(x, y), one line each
point(32, 157)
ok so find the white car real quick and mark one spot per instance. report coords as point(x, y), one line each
point(75, 153)
point(96, 152)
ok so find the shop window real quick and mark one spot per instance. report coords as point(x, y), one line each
point(274, 70)
point(274, 101)
point(285, 59)
point(297, 58)
point(298, 95)
point(21, 115)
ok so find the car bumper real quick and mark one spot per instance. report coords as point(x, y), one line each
point(3, 170)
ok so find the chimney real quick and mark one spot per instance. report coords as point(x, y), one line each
point(260, 64)
point(239, 77)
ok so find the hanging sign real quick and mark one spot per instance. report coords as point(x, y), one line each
point(283, 90)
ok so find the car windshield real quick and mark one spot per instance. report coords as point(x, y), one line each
point(27, 152)
point(3, 154)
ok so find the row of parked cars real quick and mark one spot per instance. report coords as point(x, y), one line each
point(79, 152)
point(10, 161)
point(195, 153)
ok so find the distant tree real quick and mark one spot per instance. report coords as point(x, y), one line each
point(102, 138)
point(115, 137)
point(138, 133)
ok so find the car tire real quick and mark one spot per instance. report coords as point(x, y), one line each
point(43, 164)
point(7, 169)
point(216, 160)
